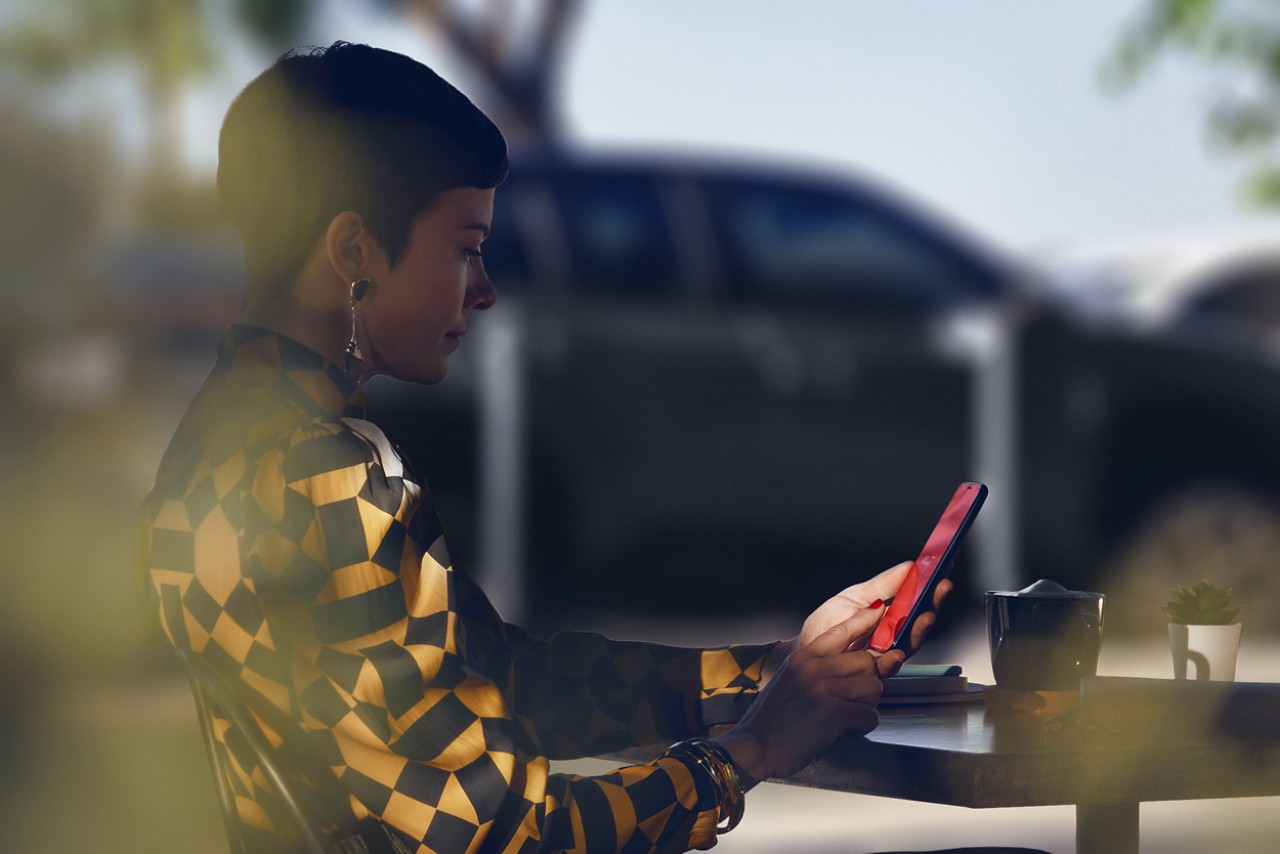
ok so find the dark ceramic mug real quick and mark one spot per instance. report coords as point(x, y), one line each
point(1044, 637)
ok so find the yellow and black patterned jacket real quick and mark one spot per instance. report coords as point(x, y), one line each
point(286, 544)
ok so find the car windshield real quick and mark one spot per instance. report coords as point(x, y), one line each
point(794, 244)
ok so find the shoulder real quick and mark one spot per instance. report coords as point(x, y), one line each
point(321, 447)
point(336, 459)
point(329, 445)
point(329, 496)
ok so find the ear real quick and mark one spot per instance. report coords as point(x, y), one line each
point(352, 250)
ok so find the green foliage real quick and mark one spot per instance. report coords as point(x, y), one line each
point(1241, 38)
point(54, 39)
point(277, 22)
point(173, 42)
point(1205, 604)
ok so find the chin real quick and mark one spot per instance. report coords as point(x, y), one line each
point(431, 375)
point(419, 377)
point(419, 373)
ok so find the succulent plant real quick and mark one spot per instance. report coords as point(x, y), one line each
point(1205, 604)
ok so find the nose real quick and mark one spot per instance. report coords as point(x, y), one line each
point(481, 293)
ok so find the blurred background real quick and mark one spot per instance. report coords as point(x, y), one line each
point(773, 279)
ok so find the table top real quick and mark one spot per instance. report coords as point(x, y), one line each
point(976, 756)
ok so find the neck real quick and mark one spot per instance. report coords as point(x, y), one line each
point(325, 329)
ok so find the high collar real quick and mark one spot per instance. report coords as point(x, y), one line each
point(260, 356)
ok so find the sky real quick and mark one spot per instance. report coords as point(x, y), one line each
point(989, 111)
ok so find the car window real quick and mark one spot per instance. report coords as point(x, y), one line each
point(618, 237)
point(796, 244)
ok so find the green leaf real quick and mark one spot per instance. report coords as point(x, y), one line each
point(1205, 604)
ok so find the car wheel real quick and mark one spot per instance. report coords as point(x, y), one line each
point(1223, 533)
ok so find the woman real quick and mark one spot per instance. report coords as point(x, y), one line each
point(289, 546)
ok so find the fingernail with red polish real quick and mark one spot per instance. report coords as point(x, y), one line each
point(876, 604)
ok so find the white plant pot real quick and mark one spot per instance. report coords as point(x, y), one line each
point(1207, 652)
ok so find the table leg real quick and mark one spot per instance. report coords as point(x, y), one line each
point(1107, 828)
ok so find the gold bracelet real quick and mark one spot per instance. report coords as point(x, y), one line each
point(733, 781)
point(715, 761)
point(691, 753)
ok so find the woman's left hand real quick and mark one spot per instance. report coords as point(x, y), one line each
point(850, 601)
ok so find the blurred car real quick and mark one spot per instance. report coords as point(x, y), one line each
point(711, 386)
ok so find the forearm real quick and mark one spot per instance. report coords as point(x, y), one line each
point(634, 693)
point(662, 806)
point(775, 659)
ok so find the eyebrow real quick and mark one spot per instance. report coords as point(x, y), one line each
point(481, 227)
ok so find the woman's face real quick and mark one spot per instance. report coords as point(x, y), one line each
point(415, 314)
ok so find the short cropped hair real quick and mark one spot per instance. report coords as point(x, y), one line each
point(347, 127)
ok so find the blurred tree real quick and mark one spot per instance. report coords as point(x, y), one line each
point(1243, 38)
point(515, 54)
point(171, 43)
point(511, 48)
point(45, 199)
point(50, 183)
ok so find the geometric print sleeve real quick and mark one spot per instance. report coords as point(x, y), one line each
point(468, 734)
point(586, 694)
point(318, 577)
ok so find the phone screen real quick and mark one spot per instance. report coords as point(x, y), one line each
point(932, 566)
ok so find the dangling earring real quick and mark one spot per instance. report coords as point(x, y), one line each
point(359, 288)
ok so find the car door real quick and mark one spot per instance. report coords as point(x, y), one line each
point(727, 379)
point(627, 378)
point(845, 305)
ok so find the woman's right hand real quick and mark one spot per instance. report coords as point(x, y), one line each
point(823, 690)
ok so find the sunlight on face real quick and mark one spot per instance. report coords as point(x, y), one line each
point(416, 313)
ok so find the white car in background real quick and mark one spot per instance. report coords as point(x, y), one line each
point(1225, 282)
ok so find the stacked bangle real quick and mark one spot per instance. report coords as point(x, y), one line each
point(718, 766)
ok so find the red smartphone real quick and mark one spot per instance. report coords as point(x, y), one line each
point(933, 565)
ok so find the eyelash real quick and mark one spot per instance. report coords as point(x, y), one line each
point(472, 253)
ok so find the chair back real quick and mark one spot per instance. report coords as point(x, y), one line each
point(213, 695)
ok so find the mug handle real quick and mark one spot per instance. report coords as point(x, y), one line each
point(1091, 646)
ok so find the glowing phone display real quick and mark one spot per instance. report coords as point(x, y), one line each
point(933, 565)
